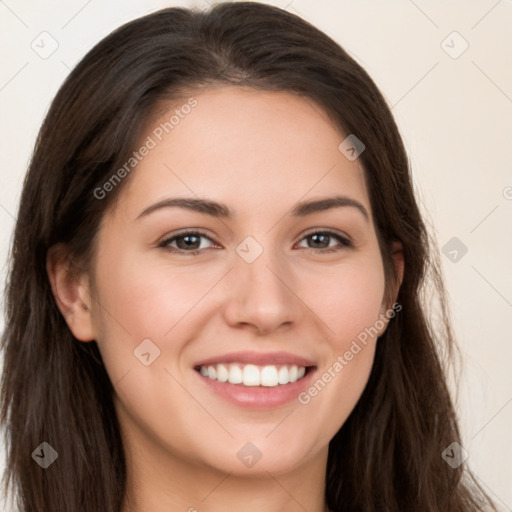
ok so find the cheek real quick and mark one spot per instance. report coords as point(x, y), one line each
point(142, 299)
point(132, 305)
point(147, 299)
point(349, 299)
point(350, 307)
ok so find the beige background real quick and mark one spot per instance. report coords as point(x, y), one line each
point(455, 115)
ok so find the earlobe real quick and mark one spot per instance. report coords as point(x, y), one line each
point(71, 292)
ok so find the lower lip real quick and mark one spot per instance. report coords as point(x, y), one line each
point(259, 397)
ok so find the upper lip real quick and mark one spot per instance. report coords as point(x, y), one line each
point(257, 358)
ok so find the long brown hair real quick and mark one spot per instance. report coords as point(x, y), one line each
point(388, 454)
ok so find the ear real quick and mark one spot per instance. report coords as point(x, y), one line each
point(397, 253)
point(387, 310)
point(70, 288)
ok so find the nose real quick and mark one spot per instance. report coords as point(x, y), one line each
point(261, 296)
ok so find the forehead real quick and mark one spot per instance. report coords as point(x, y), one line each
point(244, 146)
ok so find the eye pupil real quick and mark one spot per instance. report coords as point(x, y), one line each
point(315, 237)
point(188, 243)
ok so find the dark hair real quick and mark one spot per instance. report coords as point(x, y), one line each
point(387, 455)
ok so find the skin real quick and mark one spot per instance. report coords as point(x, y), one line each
point(259, 153)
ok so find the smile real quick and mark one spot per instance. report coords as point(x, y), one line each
point(251, 375)
point(256, 380)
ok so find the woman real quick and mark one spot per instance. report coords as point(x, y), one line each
point(215, 296)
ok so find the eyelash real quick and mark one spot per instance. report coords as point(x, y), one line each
point(345, 242)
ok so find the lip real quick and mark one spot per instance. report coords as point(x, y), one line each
point(259, 397)
point(257, 358)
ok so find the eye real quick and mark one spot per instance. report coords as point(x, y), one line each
point(321, 241)
point(189, 242)
point(186, 242)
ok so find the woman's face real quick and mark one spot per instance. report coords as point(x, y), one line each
point(265, 289)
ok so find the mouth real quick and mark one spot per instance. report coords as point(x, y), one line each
point(259, 381)
point(251, 375)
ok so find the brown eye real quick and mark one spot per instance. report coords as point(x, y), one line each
point(187, 242)
point(320, 241)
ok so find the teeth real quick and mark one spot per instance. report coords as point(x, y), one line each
point(235, 375)
point(222, 373)
point(284, 375)
point(269, 376)
point(252, 375)
point(212, 372)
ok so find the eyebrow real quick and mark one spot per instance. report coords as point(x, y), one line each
point(220, 210)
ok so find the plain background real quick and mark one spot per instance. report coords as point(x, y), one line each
point(453, 108)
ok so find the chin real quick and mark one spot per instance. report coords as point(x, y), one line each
point(260, 456)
